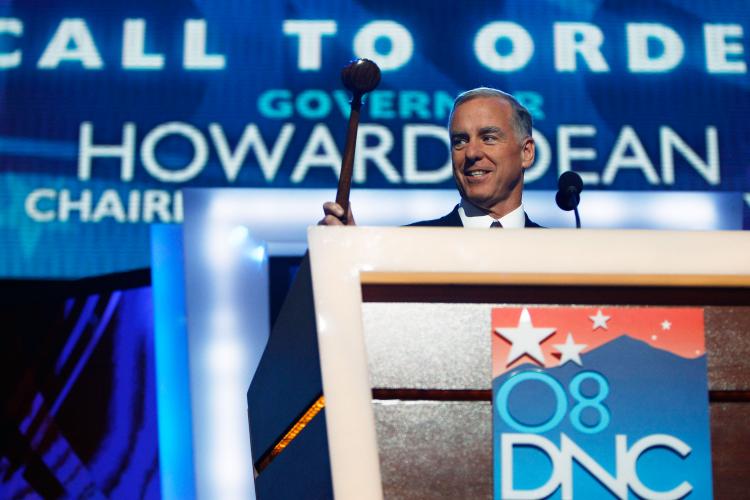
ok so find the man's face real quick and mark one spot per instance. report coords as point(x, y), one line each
point(488, 157)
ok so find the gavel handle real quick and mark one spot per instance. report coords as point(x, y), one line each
point(347, 162)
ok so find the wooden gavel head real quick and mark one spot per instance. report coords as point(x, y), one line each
point(360, 76)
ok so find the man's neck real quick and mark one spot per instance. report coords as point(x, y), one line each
point(474, 216)
point(496, 212)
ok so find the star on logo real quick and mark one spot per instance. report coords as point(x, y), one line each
point(525, 339)
point(666, 325)
point(570, 351)
point(600, 320)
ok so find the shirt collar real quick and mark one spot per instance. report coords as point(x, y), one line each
point(473, 217)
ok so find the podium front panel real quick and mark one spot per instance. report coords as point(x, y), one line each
point(404, 406)
point(430, 372)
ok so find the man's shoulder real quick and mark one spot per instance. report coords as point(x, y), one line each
point(529, 222)
point(450, 220)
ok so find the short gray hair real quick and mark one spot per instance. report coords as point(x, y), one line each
point(521, 117)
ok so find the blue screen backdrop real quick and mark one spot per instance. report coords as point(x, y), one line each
point(110, 109)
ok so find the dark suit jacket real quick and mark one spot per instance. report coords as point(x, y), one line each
point(454, 220)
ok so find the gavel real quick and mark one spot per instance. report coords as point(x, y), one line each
point(359, 77)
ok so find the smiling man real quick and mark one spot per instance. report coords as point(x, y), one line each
point(491, 147)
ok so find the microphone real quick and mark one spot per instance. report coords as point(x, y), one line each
point(569, 187)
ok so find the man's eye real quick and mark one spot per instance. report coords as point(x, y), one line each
point(489, 138)
point(459, 143)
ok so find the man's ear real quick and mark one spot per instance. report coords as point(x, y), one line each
point(528, 152)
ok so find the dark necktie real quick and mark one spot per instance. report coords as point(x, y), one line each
point(496, 223)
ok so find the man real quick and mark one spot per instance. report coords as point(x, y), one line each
point(491, 147)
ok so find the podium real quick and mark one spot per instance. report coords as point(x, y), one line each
point(390, 327)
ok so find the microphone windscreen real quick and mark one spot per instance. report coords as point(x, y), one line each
point(570, 179)
point(565, 201)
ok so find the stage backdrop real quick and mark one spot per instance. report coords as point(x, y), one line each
point(110, 109)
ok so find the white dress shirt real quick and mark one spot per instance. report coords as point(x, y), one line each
point(474, 218)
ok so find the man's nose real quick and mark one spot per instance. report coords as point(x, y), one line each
point(473, 151)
